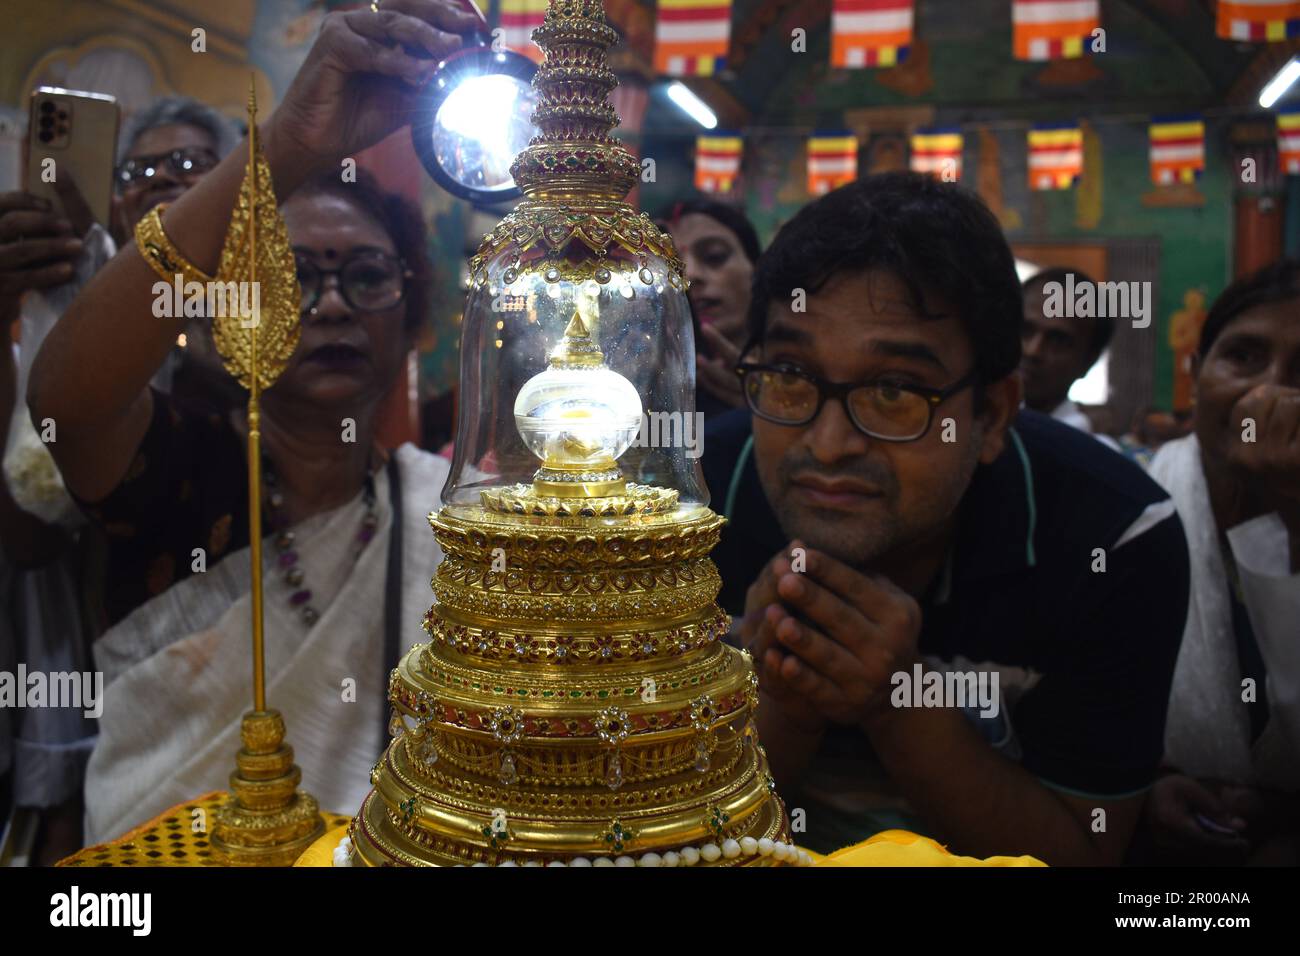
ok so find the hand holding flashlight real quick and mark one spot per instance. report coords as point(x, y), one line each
point(361, 79)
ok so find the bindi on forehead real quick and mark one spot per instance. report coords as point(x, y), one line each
point(334, 228)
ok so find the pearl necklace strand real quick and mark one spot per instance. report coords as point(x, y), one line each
point(687, 856)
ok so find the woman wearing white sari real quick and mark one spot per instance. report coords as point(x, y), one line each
point(350, 555)
point(1233, 731)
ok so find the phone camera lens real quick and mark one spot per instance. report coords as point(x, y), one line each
point(47, 122)
point(45, 136)
point(63, 114)
point(47, 107)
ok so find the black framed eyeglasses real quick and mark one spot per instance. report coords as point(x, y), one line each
point(190, 161)
point(880, 408)
point(368, 282)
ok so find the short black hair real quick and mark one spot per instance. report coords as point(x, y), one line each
point(936, 237)
point(400, 218)
point(1273, 283)
point(1101, 327)
point(730, 216)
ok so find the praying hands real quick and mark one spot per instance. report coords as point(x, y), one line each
point(826, 639)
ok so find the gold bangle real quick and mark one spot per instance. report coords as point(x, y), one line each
point(160, 253)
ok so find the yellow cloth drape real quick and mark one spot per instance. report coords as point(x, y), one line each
point(902, 848)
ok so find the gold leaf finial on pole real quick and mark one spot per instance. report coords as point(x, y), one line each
point(267, 821)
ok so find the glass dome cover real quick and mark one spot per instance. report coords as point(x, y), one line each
point(566, 378)
point(577, 380)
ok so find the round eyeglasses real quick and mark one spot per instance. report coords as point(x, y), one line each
point(369, 282)
point(883, 409)
point(191, 161)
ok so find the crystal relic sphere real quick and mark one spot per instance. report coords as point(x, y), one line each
point(578, 416)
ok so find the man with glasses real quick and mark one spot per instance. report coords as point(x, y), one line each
point(896, 523)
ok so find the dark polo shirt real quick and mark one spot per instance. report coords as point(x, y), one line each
point(1087, 657)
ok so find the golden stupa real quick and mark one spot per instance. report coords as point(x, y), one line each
point(575, 703)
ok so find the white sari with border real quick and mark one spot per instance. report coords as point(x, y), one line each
point(178, 669)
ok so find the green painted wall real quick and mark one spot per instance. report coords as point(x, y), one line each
point(1195, 243)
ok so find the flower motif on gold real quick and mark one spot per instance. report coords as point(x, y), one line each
point(488, 644)
point(703, 712)
point(564, 650)
point(612, 725)
point(644, 646)
point(605, 649)
point(506, 724)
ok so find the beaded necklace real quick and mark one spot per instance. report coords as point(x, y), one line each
point(287, 554)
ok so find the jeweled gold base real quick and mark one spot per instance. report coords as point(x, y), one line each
point(581, 694)
point(267, 821)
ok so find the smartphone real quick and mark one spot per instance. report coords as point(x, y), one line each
point(73, 132)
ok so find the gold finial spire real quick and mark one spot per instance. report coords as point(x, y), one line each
point(573, 155)
point(576, 347)
point(576, 328)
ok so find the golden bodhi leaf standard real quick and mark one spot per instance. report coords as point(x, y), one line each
point(256, 223)
point(267, 821)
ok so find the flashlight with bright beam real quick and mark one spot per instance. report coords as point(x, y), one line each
point(476, 119)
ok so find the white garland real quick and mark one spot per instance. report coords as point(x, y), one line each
point(687, 856)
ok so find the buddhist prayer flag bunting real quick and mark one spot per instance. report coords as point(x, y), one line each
point(1055, 155)
point(1177, 149)
point(1288, 141)
point(1258, 20)
point(832, 161)
point(717, 162)
point(692, 36)
point(1052, 29)
point(518, 20)
point(870, 32)
point(938, 152)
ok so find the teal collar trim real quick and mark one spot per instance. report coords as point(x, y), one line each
point(734, 486)
point(1030, 498)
